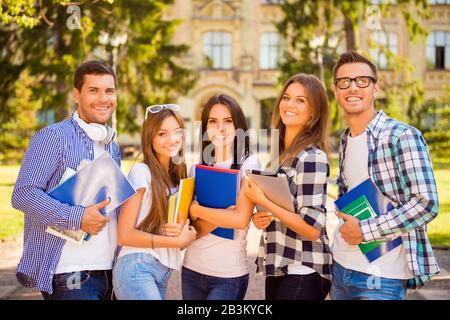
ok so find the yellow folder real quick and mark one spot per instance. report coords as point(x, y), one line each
point(171, 216)
point(181, 200)
point(186, 194)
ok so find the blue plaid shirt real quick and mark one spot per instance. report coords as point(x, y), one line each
point(50, 152)
point(399, 164)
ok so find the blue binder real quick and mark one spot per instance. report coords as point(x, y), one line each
point(217, 188)
point(364, 198)
point(99, 179)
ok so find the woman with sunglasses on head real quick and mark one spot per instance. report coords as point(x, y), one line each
point(150, 246)
point(215, 268)
point(294, 254)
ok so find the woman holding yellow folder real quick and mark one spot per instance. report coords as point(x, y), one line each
point(294, 253)
point(150, 246)
point(216, 268)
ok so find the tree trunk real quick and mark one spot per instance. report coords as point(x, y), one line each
point(349, 34)
point(61, 108)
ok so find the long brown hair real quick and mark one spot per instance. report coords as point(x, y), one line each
point(315, 131)
point(240, 150)
point(160, 179)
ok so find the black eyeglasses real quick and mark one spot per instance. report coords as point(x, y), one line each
point(361, 82)
point(158, 107)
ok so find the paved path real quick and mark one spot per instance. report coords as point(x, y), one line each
point(438, 288)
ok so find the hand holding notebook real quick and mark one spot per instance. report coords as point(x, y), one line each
point(275, 187)
point(365, 201)
point(92, 184)
point(93, 220)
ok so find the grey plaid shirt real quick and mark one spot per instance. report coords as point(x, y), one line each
point(281, 246)
point(399, 164)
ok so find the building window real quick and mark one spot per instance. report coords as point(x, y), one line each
point(269, 50)
point(439, 1)
point(46, 117)
point(383, 41)
point(217, 50)
point(375, 2)
point(438, 50)
point(271, 2)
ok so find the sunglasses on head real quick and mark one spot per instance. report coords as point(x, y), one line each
point(158, 107)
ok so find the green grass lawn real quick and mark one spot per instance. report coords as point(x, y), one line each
point(439, 228)
point(11, 221)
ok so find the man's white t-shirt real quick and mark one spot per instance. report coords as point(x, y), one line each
point(140, 177)
point(393, 264)
point(215, 256)
point(97, 253)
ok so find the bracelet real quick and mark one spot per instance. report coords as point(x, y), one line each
point(152, 240)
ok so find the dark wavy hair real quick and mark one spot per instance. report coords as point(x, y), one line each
point(239, 153)
point(92, 67)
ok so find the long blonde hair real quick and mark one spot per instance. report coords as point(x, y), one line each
point(160, 179)
point(315, 131)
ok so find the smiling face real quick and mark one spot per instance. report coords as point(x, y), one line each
point(220, 126)
point(167, 141)
point(354, 100)
point(97, 99)
point(295, 110)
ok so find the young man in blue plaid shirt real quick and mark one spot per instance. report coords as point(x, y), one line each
point(395, 157)
point(63, 270)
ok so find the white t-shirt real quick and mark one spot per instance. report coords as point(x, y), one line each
point(140, 177)
point(393, 264)
point(98, 252)
point(299, 269)
point(216, 256)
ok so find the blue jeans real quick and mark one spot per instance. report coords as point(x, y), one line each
point(198, 286)
point(353, 285)
point(140, 276)
point(83, 285)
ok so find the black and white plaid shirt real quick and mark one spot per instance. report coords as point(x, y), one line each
point(281, 246)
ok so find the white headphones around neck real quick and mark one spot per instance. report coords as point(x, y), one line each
point(96, 131)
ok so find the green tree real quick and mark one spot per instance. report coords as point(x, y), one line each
point(434, 121)
point(149, 66)
point(16, 131)
point(21, 12)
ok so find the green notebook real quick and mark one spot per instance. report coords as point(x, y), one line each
point(361, 209)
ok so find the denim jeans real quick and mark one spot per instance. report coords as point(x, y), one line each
point(198, 286)
point(353, 285)
point(140, 276)
point(82, 285)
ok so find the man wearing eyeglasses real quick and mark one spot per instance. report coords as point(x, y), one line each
point(395, 157)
